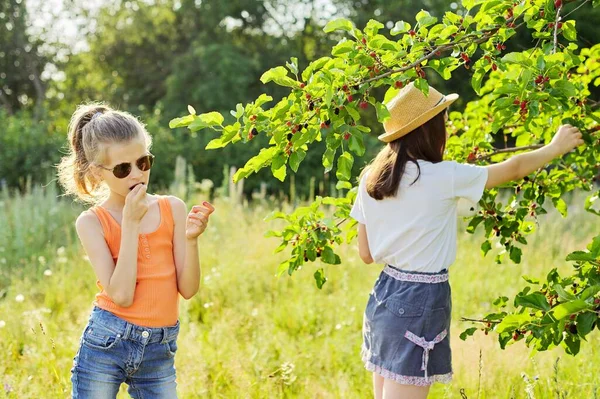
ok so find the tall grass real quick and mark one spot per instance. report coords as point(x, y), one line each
point(249, 334)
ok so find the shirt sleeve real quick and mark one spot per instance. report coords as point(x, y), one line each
point(357, 213)
point(469, 181)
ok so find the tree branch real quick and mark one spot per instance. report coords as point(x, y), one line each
point(479, 320)
point(431, 54)
point(505, 150)
point(575, 9)
point(556, 19)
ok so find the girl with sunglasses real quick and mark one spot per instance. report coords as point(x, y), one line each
point(406, 209)
point(143, 249)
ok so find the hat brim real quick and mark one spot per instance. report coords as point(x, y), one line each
point(418, 121)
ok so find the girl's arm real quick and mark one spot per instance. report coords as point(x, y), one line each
point(185, 245)
point(363, 244)
point(519, 166)
point(118, 281)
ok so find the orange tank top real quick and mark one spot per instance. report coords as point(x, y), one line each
point(156, 298)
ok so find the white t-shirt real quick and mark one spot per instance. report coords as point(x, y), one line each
point(416, 229)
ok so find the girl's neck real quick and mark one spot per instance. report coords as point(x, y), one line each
point(114, 202)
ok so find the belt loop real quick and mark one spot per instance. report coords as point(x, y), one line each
point(127, 332)
point(164, 335)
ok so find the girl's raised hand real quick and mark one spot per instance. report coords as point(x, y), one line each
point(197, 220)
point(136, 204)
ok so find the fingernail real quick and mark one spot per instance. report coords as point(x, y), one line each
point(205, 203)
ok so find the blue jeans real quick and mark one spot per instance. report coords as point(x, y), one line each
point(113, 351)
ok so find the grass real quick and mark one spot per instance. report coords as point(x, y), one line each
point(250, 334)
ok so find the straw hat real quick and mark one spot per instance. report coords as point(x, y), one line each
point(410, 109)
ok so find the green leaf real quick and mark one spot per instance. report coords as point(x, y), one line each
point(344, 166)
point(485, 247)
point(573, 344)
point(279, 173)
point(580, 256)
point(338, 24)
point(566, 88)
point(585, 323)
point(293, 66)
point(568, 308)
point(356, 143)
point(561, 206)
point(214, 144)
point(262, 99)
point(517, 58)
point(313, 67)
point(425, 19)
point(273, 73)
point(590, 291)
point(444, 67)
point(256, 163)
point(383, 114)
point(328, 159)
point(562, 294)
point(343, 47)
point(352, 112)
point(422, 85)
point(320, 278)
point(589, 202)
point(467, 333)
point(328, 256)
point(239, 111)
point(474, 223)
point(501, 301)
point(535, 301)
point(531, 280)
point(569, 31)
point(477, 79)
point(447, 31)
point(343, 185)
point(295, 159)
point(512, 321)
point(400, 27)
point(373, 27)
point(181, 122)
point(515, 254)
point(209, 119)
point(389, 94)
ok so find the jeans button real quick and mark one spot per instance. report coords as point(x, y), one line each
point(145, 334)
point(401, 311)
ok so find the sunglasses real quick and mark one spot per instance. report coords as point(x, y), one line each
point(123, 170)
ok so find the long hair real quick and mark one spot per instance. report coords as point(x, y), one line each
point(92, 126)
point(426, 142)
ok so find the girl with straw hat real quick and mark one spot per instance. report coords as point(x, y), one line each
point(406, 208)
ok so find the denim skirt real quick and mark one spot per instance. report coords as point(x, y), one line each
point(406, 327)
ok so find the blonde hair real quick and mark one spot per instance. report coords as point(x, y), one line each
point(92, 127)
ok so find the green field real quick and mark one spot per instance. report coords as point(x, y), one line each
point(251, 334)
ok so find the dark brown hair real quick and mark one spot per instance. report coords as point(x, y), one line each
point(426, 142)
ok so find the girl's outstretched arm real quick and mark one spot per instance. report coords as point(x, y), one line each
point(521, 165)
